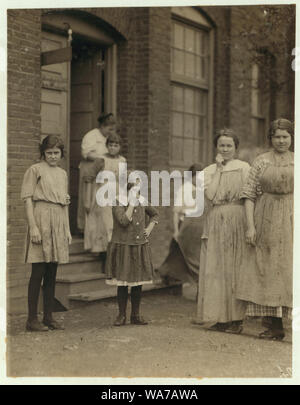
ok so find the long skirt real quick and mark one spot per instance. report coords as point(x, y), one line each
point(223, 247)
point(52, 222)
point(183, 260)
point(128, 265)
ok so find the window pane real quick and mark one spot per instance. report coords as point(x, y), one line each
point(188, 100)
point(198, 42)
point(202, 151)
point(197, 126)
point(177, 122)
point(178, 36)
point(178, 98)
point(204, 43)
point(189, 127)
point(198, 73)
point(203, 68)
point(178, 62)
point(189, 40)
point(190, 65)
point(188, 153)
point(204, 103)
point(197, 102)
point(204, 128)
point(177, 148)
point(196, 151)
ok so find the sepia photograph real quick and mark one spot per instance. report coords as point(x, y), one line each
point(149, 192)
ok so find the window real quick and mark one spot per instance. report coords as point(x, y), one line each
point(190, 91)
point(258, 117)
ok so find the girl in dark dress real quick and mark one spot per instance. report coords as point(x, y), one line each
point(128, 262)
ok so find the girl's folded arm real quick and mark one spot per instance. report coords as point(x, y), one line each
point(122, 215)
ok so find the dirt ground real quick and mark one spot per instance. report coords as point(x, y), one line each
point(170, 346)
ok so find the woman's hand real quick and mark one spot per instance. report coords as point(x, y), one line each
point(35, 235)
point(251, 236)
point(69, 237)
point(219, 161)
point(68, 200)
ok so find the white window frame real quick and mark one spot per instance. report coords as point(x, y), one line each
point(193, 18)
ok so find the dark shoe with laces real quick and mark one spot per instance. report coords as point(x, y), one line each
point(36, 326)
point(52, 324)
point(272, 334)
point(138, 320)
point(120, 320)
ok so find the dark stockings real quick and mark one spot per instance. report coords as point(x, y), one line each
point(136, 295)
point(47, 273)
point(122, 297)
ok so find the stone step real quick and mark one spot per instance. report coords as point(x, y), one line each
point(80, 263)
point(111, 292)
point(77, 245)
point(79, 282)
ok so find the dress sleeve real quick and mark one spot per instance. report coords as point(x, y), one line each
point(251, 184)
point(89, 144)
point(90, 169)
point(119, 213)
point(208, 175)
point(245, 171)
point(152, 213)
point(30, 180)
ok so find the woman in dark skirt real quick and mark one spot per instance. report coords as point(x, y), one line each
point(183, 260)
point(128, 262)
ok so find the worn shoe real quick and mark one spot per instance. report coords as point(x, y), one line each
point(219, 327)
point(36, 326)
point(120, 321)
point(236, 327)
point(52, 324)
point(272, 334)
point(138, 320)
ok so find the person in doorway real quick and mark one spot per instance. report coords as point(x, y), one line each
point(99, 222)
point(93, 146)
point(45, 193)
point(182, 262)
point(223, 243)
point(266, 280)
point(129, 262)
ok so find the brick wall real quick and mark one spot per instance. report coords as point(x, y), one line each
point(23, 112)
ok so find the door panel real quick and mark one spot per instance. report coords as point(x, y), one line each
point(54, 94)
point(86, 101)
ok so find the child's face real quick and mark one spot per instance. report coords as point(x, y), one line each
point(113, 148)
point(52, 156)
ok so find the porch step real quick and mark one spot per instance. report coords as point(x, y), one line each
point(77, 245)
point(111, 292)
point(78, 282)
point(80, 263)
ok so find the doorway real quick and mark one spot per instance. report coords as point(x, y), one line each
point(87, 102)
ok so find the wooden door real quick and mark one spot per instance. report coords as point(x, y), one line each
point(55, 95)
point(86, 105)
